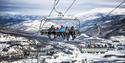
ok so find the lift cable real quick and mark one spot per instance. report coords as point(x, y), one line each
point(97, 24)
point(113, 9)
point(44, 19)
point(116, 7)
point(69, 7)
point(55, 4)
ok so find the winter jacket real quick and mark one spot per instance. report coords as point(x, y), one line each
point(62, 29)
point(67, 30)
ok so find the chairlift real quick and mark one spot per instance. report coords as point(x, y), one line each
point(44, 28)
point(61, 17)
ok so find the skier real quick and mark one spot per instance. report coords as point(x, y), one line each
point(72, 33)
point(56, 31)
point(67, 33)
point(51, 31)
point(62, 32)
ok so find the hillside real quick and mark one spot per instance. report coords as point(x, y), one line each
point(111, 25)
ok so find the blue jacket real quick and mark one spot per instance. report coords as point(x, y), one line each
point(62, 29)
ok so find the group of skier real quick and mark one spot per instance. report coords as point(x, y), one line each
point(64, 32)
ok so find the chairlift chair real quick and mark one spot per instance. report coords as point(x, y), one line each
point(44, 30)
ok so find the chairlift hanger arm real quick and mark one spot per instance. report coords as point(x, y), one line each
point(54, 7)
point(55, 4)
point(69, 7)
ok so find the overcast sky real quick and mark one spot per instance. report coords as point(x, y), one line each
point(43, 7)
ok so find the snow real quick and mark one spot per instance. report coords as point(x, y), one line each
point(26, 61)
point(5, 13)
point(84, 35)
point(76, 55)
point(116, 52)
point(119, 11)
point(97, 13)
point(3, 46)
point(118, 38)
point(33, 26)
point(5, 37)
point(13, 50)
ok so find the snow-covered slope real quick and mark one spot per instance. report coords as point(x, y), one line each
point(11, 18)
point(100, 11)
point(32, 26)
point(96, 15)
point(99, 16)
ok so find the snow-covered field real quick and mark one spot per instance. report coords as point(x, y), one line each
point(75, 54)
